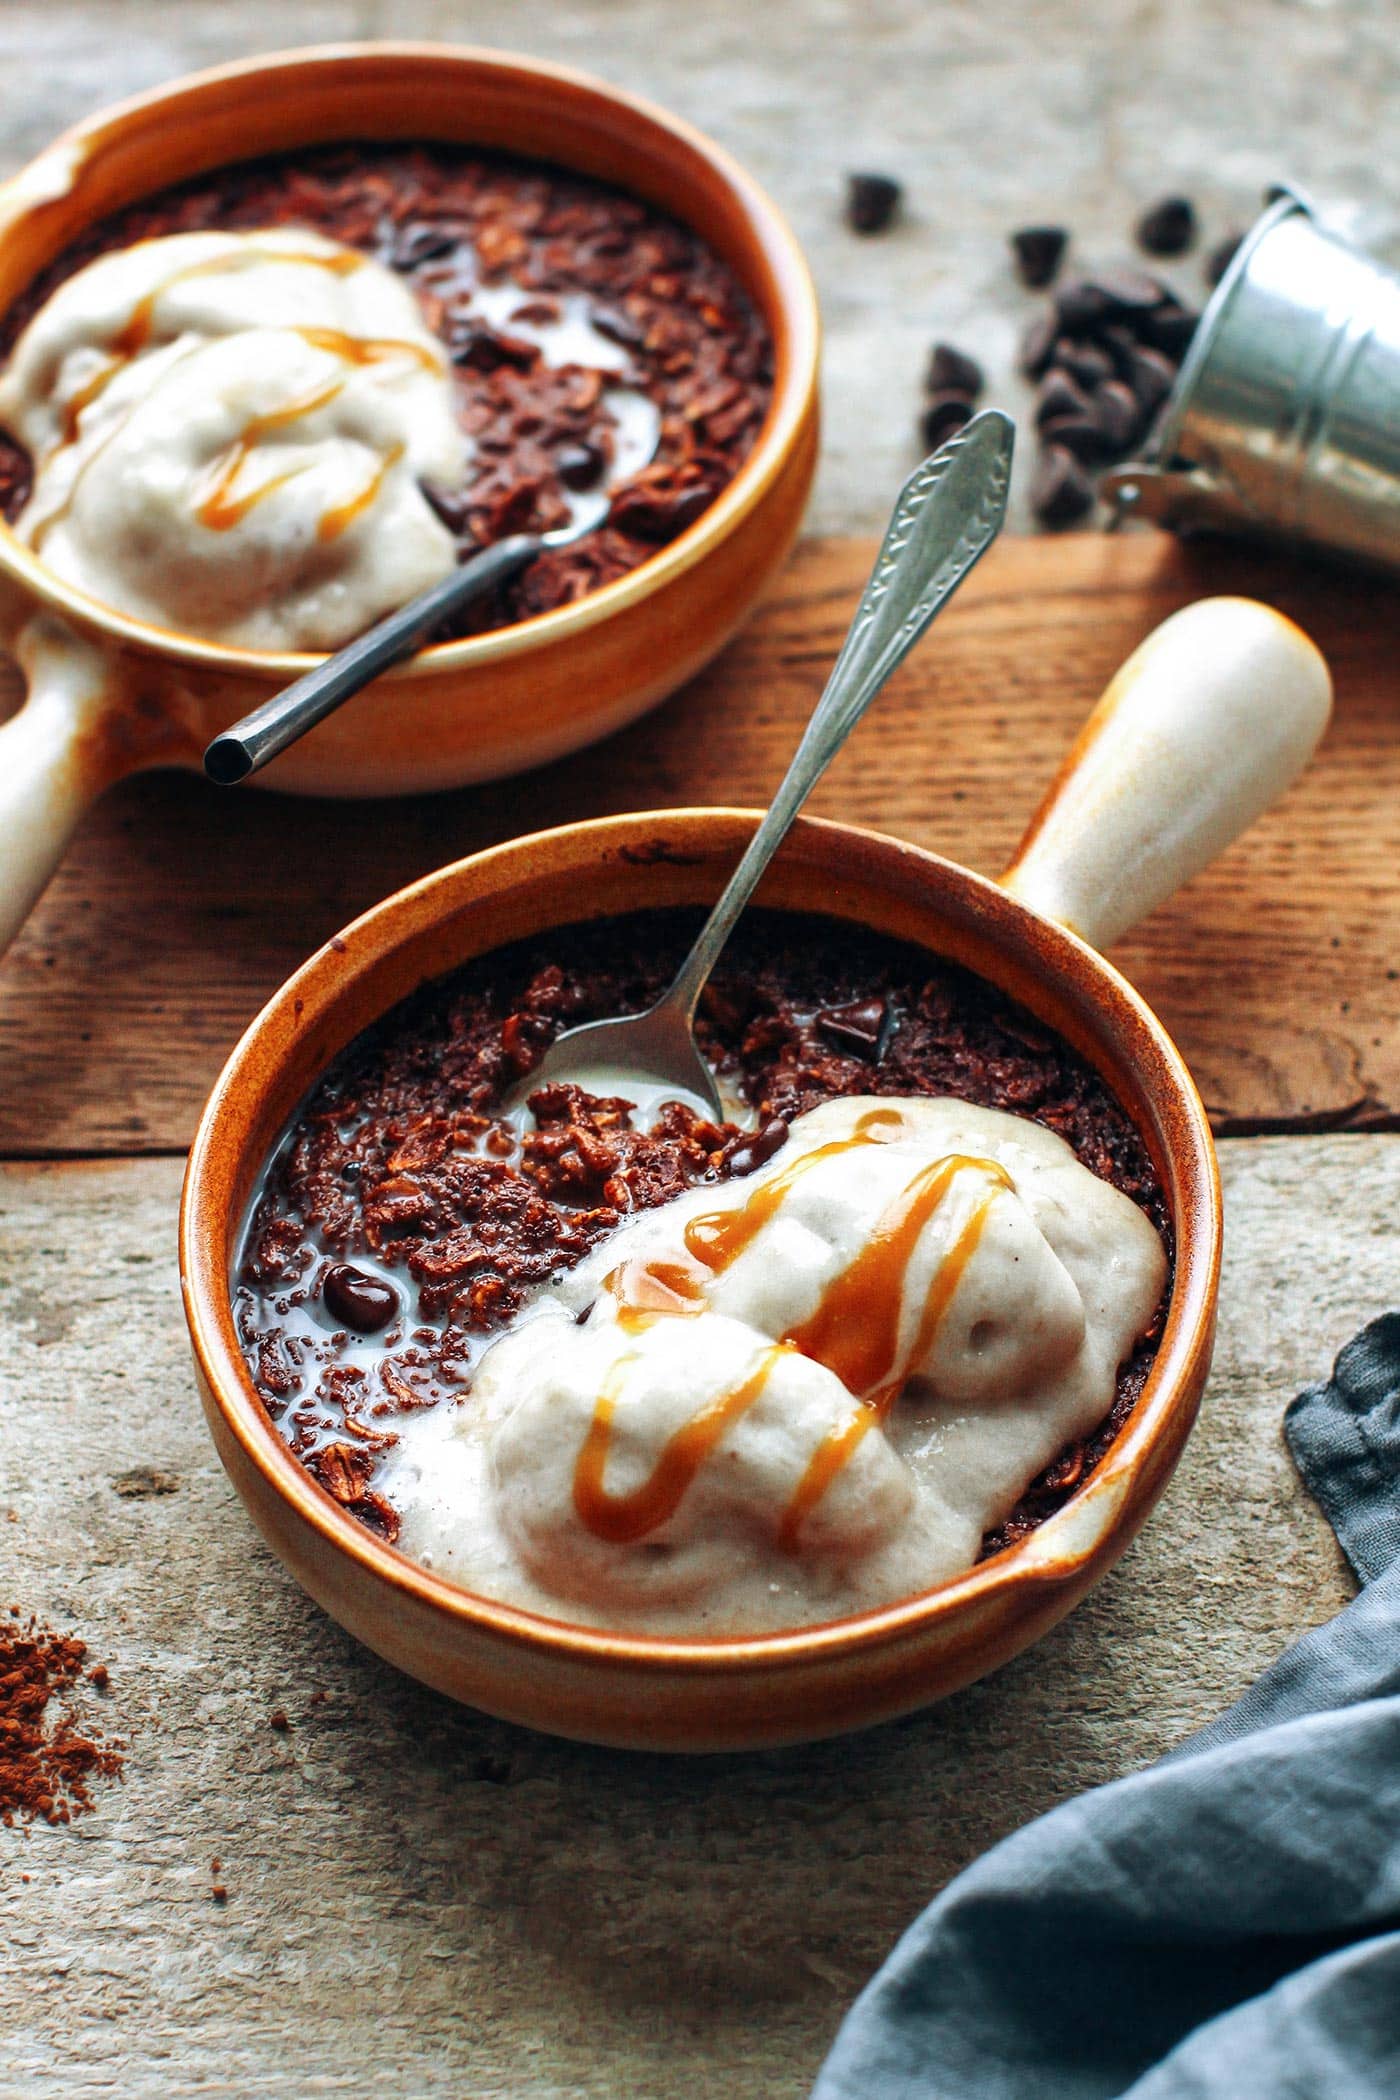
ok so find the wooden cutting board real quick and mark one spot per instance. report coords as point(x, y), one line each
point(181, 907)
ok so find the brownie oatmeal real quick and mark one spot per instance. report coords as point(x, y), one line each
point(595, 344)
point(404, 1221)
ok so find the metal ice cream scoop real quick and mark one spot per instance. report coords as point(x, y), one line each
point(949, 512)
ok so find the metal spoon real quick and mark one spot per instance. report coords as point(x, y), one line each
point(949, 512)
point(280, 721)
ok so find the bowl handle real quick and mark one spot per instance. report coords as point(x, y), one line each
point(1205, 725)
point(78, 730)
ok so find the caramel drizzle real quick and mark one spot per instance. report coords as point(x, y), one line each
point(135, 336)
point(838, 1446)
point(623, 1519)
point(219, 509)
point(854, 1331)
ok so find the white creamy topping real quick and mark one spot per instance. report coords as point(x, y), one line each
point(229, 433)
point(795, 1395)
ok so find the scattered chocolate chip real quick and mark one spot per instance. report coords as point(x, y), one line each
point(219, 1892)
point(1059, 396)
point(1087, 364)
point(279, 1721)
point(1038, 344)
point(945, 415)
point(364, 1303)
point(580, 465)
point(1219, 258)
point(1118, 416)
point(871, 202)
point(1167, 227)
point(1081, 304)
point(1037, 252)
point(861, 1030)
point(952, 371)
point(1061, 492)
point(754, 1150)
point(1151, 377)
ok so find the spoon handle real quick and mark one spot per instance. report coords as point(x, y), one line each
point(290, 713)
point(949, 512)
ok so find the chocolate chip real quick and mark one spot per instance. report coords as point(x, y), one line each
point(1087, 364)
point(1061, 492)
point(945, 415)
point(862, 1029)
point(364, 1303)
point(620, 328)
point(1151, 377)
point(1059, 396)
point(1038, 344)
point(1170, 330)
point(1220, 257)
point(758, 1147)
point(952, 371)
point(474, 347)
point(1038, 252)
point(1167, 227)
point(1086, 304)
point(1118, 416)
point(1080, 433)
point(658, 515)
point(579, 464)
point(871, 202)
point(420, 244)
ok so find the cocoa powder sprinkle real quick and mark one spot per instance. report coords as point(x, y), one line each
point(48, 1757)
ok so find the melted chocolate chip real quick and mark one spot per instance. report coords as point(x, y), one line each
point(861, 1030)
point(365, 1303)
point(753, 1151)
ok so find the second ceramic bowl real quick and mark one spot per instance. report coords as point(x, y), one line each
point(109, 694)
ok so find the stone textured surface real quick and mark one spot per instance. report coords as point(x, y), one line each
point(995, 115)
point(421, 1900)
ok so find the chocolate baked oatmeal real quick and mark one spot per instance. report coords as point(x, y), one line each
point(404, 1222)
point(593, 342)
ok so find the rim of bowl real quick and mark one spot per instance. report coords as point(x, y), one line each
point(794, 322)
point(1038, 1558)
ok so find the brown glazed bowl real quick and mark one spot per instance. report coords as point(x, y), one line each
point(1207, 722)
point(109, 695)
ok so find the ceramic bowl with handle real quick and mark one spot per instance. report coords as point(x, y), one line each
point(1206, 724)
point(109, 694)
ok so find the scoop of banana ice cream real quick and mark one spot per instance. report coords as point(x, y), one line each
point(230, 434)
point(804, 1392)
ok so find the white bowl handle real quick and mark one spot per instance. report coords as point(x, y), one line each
point(77, 731)
point(1205, 725)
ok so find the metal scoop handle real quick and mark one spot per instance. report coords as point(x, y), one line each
point(949, 512)
point(299, 707)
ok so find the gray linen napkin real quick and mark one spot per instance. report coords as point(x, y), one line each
point(1224, 1925)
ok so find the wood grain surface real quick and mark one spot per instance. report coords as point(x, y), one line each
point(181, 907)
